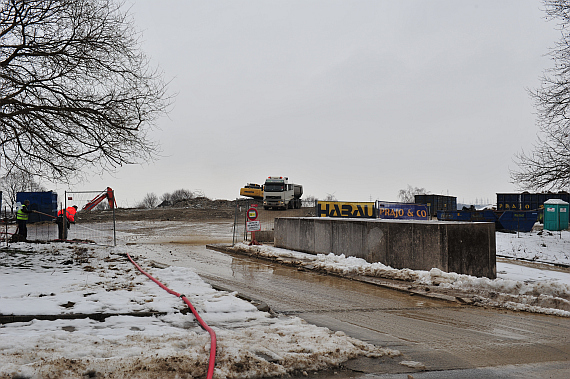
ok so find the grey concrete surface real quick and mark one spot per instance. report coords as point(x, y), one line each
point(441, 339)
point(552, 370)
point(462, 247)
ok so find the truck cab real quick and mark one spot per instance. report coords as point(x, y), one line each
point(280, 194)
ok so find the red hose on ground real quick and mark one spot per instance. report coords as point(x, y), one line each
point(203, 324)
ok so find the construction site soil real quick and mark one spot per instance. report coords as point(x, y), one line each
point(197, 209)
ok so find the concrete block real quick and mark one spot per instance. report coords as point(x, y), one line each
point(323, 237)
point(462, 247)
point(264, 236)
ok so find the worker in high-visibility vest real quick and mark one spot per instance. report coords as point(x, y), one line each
point(22, 219)
point(70, 219)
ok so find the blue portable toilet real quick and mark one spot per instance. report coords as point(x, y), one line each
point(555, 215)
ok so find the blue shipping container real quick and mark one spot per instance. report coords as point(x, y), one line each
point(467, 215)
point(508, 201)
point(437, 203)
point(521, 221)
point(45, 202)
point(518, 221)
point(454, 216)
point(526, 201)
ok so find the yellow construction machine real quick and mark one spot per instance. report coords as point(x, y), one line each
point(252, 190)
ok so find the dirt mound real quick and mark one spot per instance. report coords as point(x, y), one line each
point(200, 203)
point(199, 208)
point(163, 214)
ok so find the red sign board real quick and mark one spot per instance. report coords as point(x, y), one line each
point(252, 214)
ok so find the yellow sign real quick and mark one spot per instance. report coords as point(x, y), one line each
point(345, 209)
point(252, 214)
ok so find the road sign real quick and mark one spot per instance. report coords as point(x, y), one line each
point(253, 226)
point(252, 214)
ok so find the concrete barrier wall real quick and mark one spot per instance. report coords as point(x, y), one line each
point(264, 236)
point(461, 247)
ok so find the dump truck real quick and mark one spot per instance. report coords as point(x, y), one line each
point(280, 194)
point(252, 190)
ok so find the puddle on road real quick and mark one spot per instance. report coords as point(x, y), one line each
point(176, 232)
point(198, 240)
point(305, 282)
point(183, 244)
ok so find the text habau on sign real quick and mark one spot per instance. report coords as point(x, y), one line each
point(341, 209)
point(383, 210)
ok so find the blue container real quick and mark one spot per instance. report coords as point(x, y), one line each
point(527, 201)
point(486, 215)
point(530, 201)
point(508, 201)
point(437, 203)
point(467, 215)
point(454, 215)
point(518, 221)
point(45, 202)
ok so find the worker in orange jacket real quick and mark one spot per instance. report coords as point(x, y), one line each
point(70, 219)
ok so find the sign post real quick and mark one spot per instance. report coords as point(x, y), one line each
point(253, 225)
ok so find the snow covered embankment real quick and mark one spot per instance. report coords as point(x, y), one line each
point(547, 296)
point(59, 279)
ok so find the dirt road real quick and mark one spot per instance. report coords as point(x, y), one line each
point(433, 335)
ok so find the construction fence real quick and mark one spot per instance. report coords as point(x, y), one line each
point(265, 217)
point(44, 225)
point(318, 208)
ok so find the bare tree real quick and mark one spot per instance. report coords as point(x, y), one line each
point(149, 201)
point(547, 167)
point(18, 181)
point(309, 201)
point(75, 88)
point(408, 195)
point(330, 197)
point(180, 195)
point(102, 206)
point(166, 198)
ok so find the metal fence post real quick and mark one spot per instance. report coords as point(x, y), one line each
point(64, 218)
point(6, 222)
point(114, 222)
point(235, 223)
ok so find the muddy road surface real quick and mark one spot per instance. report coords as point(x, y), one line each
point(437, 339)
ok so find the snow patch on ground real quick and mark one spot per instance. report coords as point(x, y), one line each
point(517, 287)
point(59, 279)
point(538, 245)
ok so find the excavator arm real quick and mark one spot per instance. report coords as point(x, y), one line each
point(107, 194)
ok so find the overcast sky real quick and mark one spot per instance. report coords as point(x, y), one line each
point(356, 99)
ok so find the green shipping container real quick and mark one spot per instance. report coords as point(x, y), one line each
point(555, 215)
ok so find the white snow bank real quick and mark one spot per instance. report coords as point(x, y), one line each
point(540, 291)
point(55, 279)
point(538, 246)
